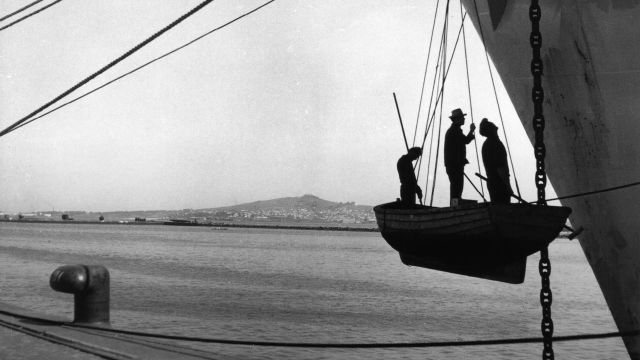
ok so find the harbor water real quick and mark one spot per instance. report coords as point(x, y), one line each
point(302, 286)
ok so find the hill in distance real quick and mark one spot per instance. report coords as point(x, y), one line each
point(307, 201)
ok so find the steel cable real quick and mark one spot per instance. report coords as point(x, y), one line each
point(20, 10)
point(145, 64)
point(108, 66)
point(27, 16)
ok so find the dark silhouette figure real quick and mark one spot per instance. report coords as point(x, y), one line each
point(494, 157)
point(455, 152)
point(408, 183)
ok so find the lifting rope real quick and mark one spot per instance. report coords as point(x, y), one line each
point(453, 343)
point(106, 67)
point(504, 132)
point(424, 77)
point(440, 72)
point(444, 79)
point(475, 140)
point(436, 74)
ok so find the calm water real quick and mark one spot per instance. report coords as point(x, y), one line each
point(306, 286)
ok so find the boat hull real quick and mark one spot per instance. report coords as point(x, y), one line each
point(472, 240)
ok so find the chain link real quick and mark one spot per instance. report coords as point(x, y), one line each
point(537, 96)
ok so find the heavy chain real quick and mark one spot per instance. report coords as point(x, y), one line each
point(537, 95)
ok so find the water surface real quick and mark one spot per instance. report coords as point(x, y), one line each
point(302, 286)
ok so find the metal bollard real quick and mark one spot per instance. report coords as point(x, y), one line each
point(89, 285)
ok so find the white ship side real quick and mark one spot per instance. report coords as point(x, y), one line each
point(591, 55)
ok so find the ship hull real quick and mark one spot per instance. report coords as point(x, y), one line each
point(591, 82)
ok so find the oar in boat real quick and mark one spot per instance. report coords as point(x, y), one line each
point(574, 232)
point(474, 186)
point(401, 125)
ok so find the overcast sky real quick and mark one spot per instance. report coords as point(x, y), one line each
point(294, 99)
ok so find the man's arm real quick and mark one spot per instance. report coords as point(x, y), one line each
point(470, 136)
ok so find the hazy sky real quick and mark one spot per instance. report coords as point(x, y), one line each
point(294, 99)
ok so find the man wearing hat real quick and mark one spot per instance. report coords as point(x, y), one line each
point(455, 153)
point(494, 158)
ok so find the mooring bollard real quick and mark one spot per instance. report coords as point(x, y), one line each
point(89, 285)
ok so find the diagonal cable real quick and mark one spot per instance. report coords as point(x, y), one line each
point(424, 77)
point(144, 65)
point(20, 10)
point(28, 15)
point(106, 67)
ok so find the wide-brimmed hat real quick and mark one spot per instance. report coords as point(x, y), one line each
point(457, 113)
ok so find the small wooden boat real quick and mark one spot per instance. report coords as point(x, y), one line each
point(490, 241)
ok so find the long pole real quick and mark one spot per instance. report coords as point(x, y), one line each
point(401, 125)
point(474, 186)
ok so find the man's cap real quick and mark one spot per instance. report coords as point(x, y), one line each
point(486, 127)
point(415, 150)
point(456, 113)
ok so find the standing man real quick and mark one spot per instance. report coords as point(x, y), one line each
point(455, 153)
point(408, 183)
point(494, 158)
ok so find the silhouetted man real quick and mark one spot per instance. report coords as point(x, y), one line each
point(494, 157)
point(455, 152)
point(408, 183)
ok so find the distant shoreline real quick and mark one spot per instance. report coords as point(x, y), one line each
point(214, 225)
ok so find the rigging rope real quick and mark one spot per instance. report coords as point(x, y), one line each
point(466, 63)
point(424, 77)
point(486, 55)
point(27, 16)
point(437, 96)
point(444, 78)
point(454, 343)
point(108, 66)
point(20, 10)
point(436, 75)
point(146, 64)
point(595, 191)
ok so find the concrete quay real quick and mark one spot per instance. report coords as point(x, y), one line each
point(31, 336)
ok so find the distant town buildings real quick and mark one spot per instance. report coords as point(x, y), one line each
point(344, 215)
point(311, 210)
